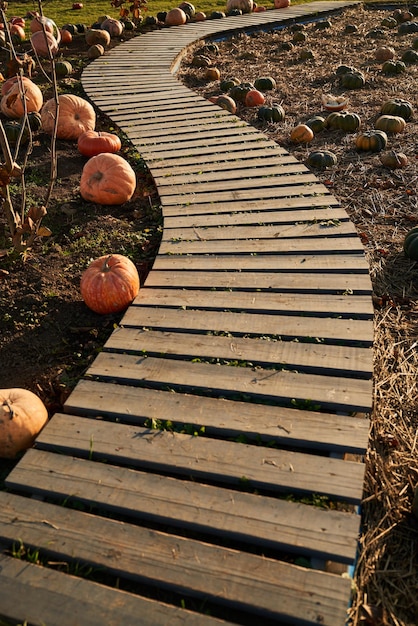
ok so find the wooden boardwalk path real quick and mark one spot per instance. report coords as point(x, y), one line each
point(251, 342)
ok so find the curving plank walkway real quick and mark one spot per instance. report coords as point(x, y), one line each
point(253, 331)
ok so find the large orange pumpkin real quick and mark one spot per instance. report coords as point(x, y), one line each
point(75, 116)
point(107, 179)
point(6, 86)
point(22, 417)
point(175, 17)
point(109, 284)
point(43, 43)
point(19, 96)
point(92, 142)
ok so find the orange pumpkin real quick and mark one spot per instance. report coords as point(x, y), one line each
point(15, 100)
point(75, 116)
point(281, 4)
point(175, 17)
point(92, 142)
point(301, 134)
point(17, 32)
point(113, 27)
point(10, 81)
point(44, 43)
point(107, 179)
point(22, 417)
point(199, 16)
point(109, 284)
point(254, 98)
point(66, 36)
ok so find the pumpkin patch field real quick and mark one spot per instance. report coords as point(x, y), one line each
point(341, 95)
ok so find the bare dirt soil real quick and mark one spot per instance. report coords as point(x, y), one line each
point(48, 337)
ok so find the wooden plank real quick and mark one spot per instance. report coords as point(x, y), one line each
point(306, 217)
point(243, 135)
point(224, 462)
point(212, 169)
point(251, 181)
point(249, 170)
point(333, 228)
point(255, 584)
point(309, 205)
point(171, 151)
point(38, 595)
point(343, 306)
point(227, 322)
point(274, 524)
point(308, 245)
point(298, 262)
point(221, 417)
point(303, 357)
point(223, 128)
point(257, 384)
point(280, 281)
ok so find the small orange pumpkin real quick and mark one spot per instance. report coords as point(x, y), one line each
point(254, 98)
point(76, 115)
point(107, 179)
point(22, 417)
point(301, 134)
point(92, 142)
point(109, 284)
point(281, 4)
point(13, 102)
point(18, 32)
point(66, 36)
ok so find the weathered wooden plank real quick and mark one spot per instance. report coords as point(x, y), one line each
point(251, 181)
point(212, 169)
point(257, 384)
point(308, 245)
point(280, 281)
point(234, 157)
point(38, 595)
point(303, 357)
point(227, 322)
point(223, 130)
point(272, 523)
point(221, 417)
point(172, 151)
point(313, 228)
point(249, 170)
point(347, 305)
point(256, 584)
point(314, 262)
point(243, 135)
point(311, 205)
point(225, 462)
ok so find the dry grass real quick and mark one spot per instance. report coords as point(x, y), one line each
point(383, 206)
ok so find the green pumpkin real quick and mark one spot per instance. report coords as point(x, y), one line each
point(371, 141)
point(410, 245)
point(63, 68)
point(239, 92)
point(286, 46)
point(34, 121)
point(13, 130)
point(217, 15)
point(345, 69)
point(272, 114)
point(72, 28)
point(389, 22)
point(343, 120)
point(265, 83)
point(233, 12)
point(408, 28)
point(227, 84)
point(323, 25)
point(393, 68)
point(321, 159)
point(392, 124)
point(353, 80)
point(316, 123)
point(399, 107)
point(410, 57)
